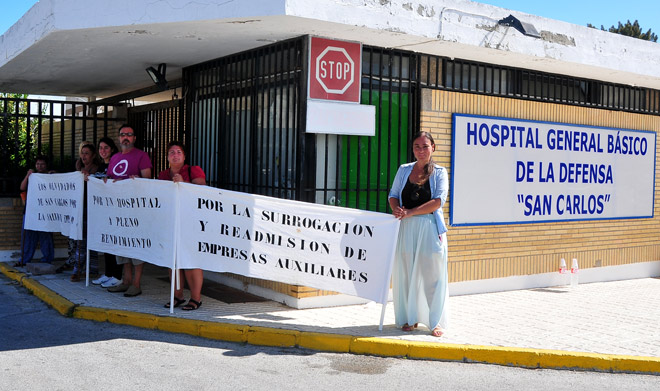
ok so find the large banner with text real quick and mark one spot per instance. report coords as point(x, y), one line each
point(518, 171)
point(133, 218)
point(55, 204)
point(326, 247)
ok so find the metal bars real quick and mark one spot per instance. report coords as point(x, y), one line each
point(357, 171)
point(155, 125)
point(30, 127)
point(481, 78)
point(243, 117)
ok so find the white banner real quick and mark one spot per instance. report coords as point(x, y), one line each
point(325, 247)
point(133, 218)
point(55, 204)
point(516, 171)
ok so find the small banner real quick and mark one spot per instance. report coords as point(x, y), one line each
point(339, 249)
point(133, 218)
point(55, 204)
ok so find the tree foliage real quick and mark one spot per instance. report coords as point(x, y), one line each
point(18, 147)
point(630, 29)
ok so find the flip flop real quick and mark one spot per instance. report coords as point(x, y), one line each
point(437, 332)
point(192, 305)
point(177, 302)
point(407, 327)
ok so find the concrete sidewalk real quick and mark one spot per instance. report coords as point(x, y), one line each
point(610, 326)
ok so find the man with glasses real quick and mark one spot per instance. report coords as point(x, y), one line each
point(129, 163)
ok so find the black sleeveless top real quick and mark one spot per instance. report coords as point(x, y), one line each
point(414, 195)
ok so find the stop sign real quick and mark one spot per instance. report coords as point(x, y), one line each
point(334, 70)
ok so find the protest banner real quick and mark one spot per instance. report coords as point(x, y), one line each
point(326, 247)
point(55, 204)
point(133, 218)
point(508, 170)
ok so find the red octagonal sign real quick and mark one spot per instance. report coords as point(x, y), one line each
point(334, 70)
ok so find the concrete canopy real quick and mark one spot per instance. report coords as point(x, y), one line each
point(101, 48)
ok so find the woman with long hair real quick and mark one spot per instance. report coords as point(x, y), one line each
point(88, 164)
point(420, 265)
point(112, 273)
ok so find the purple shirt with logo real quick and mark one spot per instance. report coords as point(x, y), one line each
point(124, 165)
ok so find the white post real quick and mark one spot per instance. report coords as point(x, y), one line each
point(382, 317)
point(87, 268)
point(175, 275)
point(174, 281)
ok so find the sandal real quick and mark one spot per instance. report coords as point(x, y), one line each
point(407, 327)
point(177, 302)
point(437, 332)
point(192, 305)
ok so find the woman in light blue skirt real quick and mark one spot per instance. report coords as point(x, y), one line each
point(420, 264)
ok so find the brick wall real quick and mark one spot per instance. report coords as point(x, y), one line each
point(11, 215)
point(505, 250)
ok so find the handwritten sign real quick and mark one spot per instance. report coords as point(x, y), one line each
point(132, 218)
point(516, 171)
point(325, 247)
point(55, 204)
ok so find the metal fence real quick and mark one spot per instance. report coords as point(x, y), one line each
point(481, 78)
point(155, 125)
point(31, 127)
point(244, 118)
point(357, 171)
point(246, 112)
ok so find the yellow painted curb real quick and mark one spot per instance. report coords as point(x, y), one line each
point(272, 337)
point(436, 351)
point(178, 325)
point(11, 272)
point(223, 331)
point(520, 357)
point(379, 346)
point(635, 364)
point(594, 361)
point(91, 313)
point(131, 318)
point(563, 359)
point(337, 343)
point(61, 305)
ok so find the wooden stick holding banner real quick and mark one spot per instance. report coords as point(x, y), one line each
point(389, 278)
point(175, 280)
point(382, 317)
point(87, 268)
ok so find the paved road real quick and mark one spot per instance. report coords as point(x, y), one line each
point(42, 350)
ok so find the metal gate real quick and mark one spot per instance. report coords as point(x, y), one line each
point(246, 119)
point(357, 171)
point(155, 125)
point(31, 127)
